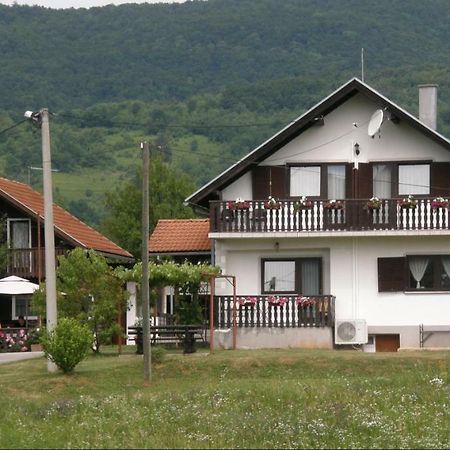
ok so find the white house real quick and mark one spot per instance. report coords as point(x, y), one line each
point(378, 273)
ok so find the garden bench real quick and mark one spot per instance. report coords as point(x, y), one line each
point(167, 334)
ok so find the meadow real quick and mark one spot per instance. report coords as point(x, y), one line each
point(244, 399)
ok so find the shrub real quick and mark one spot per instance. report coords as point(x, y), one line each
point(67, 344)
point(158, 355)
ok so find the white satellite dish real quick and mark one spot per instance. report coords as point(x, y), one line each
point(375, 122)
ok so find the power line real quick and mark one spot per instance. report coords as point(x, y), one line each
point(13, 126)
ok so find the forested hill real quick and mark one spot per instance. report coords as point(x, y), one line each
point(206, 80)
point(69, 58)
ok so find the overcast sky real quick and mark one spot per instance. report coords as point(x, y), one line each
point(81, 3)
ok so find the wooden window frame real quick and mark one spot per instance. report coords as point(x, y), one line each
point(297, 274)
point(436, 261)
point(323, 178)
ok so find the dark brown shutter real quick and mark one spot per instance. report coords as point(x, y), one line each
point(364, 174)
point(260, 182)
point(391, 274)
point(349, 181)
point(440, 179)
point(261, 176)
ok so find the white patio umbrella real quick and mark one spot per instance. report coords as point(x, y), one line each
point(17, 286)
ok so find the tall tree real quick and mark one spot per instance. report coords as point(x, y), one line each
point(167, 190)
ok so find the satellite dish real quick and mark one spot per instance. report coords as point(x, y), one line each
point(375, 122)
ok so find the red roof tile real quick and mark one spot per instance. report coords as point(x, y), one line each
point(180, 235)
point(66, 225)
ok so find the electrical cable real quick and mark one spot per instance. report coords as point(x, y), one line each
point(13, 126)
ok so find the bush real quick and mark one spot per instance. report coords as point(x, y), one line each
point(67, 344)
point(158, 354)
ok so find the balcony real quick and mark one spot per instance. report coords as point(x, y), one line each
point(266, 311)
point(27, 262)
point(319, 215)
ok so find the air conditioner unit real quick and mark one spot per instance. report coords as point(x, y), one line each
point(352, 331)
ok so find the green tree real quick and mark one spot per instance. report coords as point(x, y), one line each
point(90, 291)
point(167, 190)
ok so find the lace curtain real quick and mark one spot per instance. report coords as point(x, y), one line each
point(418, 265)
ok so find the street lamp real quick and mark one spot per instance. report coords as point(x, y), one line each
point(41, 120)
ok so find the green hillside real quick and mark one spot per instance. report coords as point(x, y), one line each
point(205, 80)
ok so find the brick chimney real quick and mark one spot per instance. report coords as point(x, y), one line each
point(428, 104)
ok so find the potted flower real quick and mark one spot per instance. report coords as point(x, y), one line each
point(334, 204)
point(303, 302)
point(303, 203)
point(247, 301)
point(439, 203)
point(408, 203)
point(373, 203)
point(272, 203)
point(274, 300)
point(239, 203)
point(34, 340)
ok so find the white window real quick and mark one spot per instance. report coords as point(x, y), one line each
point(21, 306)
point(414, 179)
point(336, 182)
point(382, 180)
point(305, 181)
point(279, 276)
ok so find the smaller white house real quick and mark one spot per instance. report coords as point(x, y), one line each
point(337, 229)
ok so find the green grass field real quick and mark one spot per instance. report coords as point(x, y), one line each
point(256, 399)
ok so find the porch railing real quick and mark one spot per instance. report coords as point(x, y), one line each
point(264, 311)
point(27, 262)
point(350, 215)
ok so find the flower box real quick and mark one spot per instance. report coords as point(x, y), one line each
point(334, 205)
point(238, 204)
point(277, 301)
point(373, 204)
point(272, 203)
point(439, 203)
point(303, 302)
point(247, 301)
point(302, 204)
point(408, 203)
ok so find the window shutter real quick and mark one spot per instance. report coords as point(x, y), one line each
point(391, 274)
point(261, 176)
point(364, 180)
point(440, 179)
point(260, 182)
point(349, 181)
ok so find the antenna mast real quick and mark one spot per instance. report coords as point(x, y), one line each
point(362, 64)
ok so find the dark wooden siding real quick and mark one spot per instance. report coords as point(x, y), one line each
point(365, 176)
point(261, 177)
point(391, 274)
point(440, 179)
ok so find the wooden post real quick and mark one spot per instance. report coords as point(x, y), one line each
point(212, 286)
point(234, 314)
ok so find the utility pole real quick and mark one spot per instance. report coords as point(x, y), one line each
point(41, 119)
point(145, 269)
point(49, 233)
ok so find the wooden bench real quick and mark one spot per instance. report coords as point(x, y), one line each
point(169, 334)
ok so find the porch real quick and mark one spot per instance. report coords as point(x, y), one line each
point(321, 215)
point(272, 321)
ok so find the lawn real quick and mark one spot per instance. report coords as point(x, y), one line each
point(257, 399)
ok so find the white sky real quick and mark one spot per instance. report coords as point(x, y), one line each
point(57, 4)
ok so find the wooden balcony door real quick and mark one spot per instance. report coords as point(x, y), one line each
point(19, 238)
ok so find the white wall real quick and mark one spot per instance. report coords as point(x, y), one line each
point(333, 142)
point(350, 273)
point(241, 188)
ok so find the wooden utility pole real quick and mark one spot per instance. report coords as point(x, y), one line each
point(145, 270)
